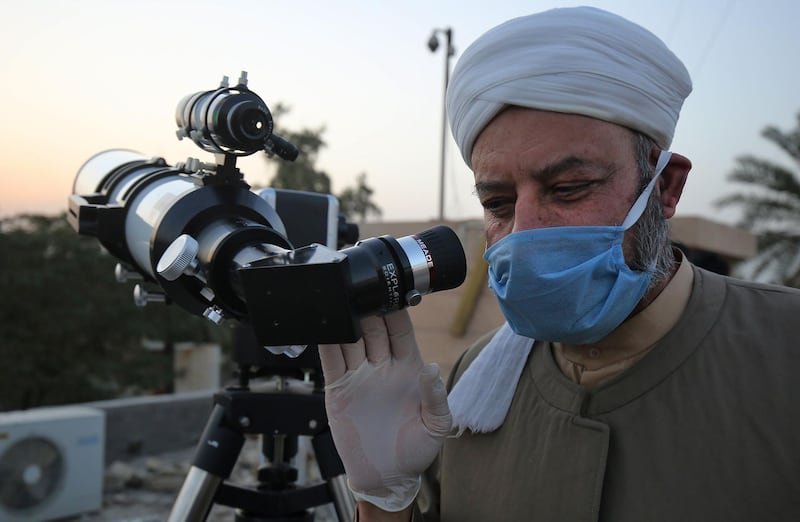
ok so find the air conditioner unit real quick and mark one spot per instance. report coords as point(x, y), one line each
point(51, 463)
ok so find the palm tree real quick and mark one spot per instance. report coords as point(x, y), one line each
point(771, 210)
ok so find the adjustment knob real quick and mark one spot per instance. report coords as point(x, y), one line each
point(142, 297)
point(413, 297)
point(179, 257)
point(123, 274)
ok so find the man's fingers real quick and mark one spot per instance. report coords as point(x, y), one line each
point(332, 359)
point(376, 339)
point(433, 396)
point(338, 359)
point(401, 333)
point(354, 354)
point(382, 338)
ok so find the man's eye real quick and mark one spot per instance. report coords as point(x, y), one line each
point(498, 208)
point(493, 204)
point(566, 189)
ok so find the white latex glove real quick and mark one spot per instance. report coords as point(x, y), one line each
point(387, 412)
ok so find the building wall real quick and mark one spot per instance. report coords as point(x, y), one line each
point(731, 243)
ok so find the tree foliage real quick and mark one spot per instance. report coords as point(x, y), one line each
point(770, 205)
point(302, 174)
point(356, 202)
point(69, 331)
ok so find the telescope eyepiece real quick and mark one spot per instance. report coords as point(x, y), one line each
point(239, 121)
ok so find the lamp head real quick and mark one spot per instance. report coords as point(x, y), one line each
point(433, 42)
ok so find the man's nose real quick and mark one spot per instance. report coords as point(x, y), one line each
point(528, 215)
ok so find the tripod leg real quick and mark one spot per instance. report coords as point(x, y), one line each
point(196, 496)
point(342, 498)
point(332, 470)
point(214, 460)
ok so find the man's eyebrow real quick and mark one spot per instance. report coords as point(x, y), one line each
point(487, 187)
point(560, 166)
point(544, 173)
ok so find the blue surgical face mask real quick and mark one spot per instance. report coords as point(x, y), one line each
point(569, 284)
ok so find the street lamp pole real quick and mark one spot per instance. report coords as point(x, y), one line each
point(433, 45)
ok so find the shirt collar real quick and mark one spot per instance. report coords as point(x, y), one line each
point(638, 333)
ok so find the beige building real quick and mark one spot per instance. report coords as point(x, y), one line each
point(448, 322)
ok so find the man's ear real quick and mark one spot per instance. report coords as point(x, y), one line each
point(673, 178)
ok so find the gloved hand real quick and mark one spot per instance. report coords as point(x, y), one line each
point(387, 412)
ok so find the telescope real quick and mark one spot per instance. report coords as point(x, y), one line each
point(276, 263)
point(196, 234)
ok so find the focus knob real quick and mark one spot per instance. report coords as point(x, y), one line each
point(179, 257)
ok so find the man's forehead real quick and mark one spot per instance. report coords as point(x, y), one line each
point(544, 169)
point(518, 131)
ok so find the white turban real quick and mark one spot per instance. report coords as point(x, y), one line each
point(578, 60)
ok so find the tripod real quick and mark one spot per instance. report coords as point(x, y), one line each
point(279, 418)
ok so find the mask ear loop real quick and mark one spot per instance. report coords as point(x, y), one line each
point(641, 202)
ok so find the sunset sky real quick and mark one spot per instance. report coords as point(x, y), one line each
point(83, 76)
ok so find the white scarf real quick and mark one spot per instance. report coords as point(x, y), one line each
point(482, 396)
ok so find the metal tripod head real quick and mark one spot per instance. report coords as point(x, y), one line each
point(279, 417)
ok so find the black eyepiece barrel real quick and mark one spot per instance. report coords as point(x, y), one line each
point(444, 257)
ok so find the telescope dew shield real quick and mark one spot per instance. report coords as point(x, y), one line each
point(101, 202)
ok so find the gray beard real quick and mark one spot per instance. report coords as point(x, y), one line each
point(652, 248)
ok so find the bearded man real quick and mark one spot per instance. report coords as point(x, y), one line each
point(626, 384)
